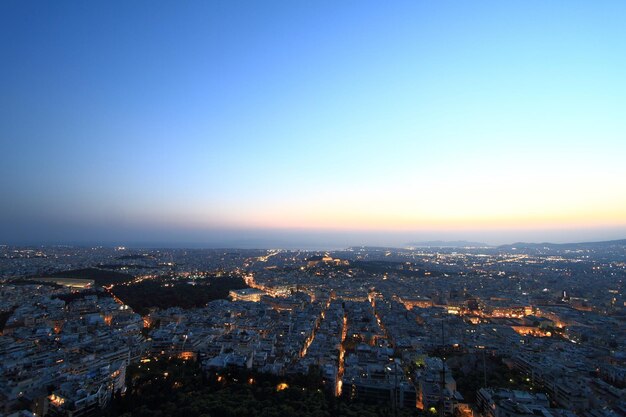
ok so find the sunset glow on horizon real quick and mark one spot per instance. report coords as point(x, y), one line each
point(423, 118)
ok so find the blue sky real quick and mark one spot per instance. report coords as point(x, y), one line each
point(214, 121)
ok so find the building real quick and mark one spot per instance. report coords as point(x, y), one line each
point(247, 294)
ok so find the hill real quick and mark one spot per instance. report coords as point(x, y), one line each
point(448, 244)
point(608, 244)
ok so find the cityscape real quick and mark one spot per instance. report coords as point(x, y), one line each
point(278, 208)
point(515, 330)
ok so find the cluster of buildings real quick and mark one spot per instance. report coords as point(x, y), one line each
point(514, 403)
point(377, 325)
point(64, 358)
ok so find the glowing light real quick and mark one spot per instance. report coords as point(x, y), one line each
point(56, 400)
point(186, 355)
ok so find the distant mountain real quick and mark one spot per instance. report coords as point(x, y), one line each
point(572, 246)
point(448, 244)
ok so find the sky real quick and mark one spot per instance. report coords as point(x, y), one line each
point(301, 124)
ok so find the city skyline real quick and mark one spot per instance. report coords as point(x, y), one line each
point(319, 125)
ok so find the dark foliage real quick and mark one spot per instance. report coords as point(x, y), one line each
point(474, 371)
point(153, 293)
point(381, 267)
point(173, 388)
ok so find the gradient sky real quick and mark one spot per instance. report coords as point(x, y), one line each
point(295, 123)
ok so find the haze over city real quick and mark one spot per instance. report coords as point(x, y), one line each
point(329, 124)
